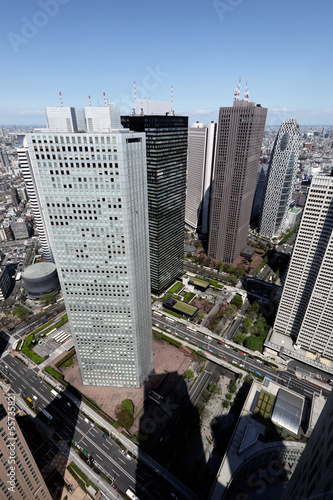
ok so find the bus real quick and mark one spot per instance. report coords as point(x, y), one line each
point(170, 320)
point(56, 337)
point(61, 338)
point(60, 300)
point(191, 328)
point(131, 495)
point(157, 314)
point(56, 394)
point(52, 331)
point(65, 339)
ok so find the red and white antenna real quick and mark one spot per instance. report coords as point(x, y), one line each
point(236, 94)
point(172, 95)
point(62, 104)
point(104, 99)
point(89, 100)
point(134, 92)
point(239, 85)
point(246, 97)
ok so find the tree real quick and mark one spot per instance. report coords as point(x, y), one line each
point(47, 299)
point(239, 338)
point(219, 266)
point(127, 405)
point(125, 419)
point(231, 311)
point(189, 374)
point(253, 310)
point(247, 325)
point(253, 343)
point(237, 301)
point(202, 259)
point(207, 262)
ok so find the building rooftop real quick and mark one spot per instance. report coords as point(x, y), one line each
point(288, 411)
point(39, 270)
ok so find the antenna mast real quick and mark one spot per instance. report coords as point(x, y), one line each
point(62, 104)
point(134, 92)
point(104, 99)
point(246, 97)
point(89, 100)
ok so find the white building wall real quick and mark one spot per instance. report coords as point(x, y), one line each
point(305, 309)
point(281, 179)
point(96, 209)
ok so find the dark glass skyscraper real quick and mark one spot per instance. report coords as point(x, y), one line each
point(240, 133)
point(166, 143)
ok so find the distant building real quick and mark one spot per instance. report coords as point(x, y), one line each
point(239, 140)
point(281, 180)
point(8, 231)
point(200, 166)
point(20, 477)
point(166, 139)
point(41, 279)
point(15, 197)
point(5, 282)
point(259, 195)
point(305, 309)
point(20, 229)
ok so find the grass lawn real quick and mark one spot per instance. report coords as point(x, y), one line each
point(184, 308)
point(198, 282)
point(189, 296)
point(177, 287)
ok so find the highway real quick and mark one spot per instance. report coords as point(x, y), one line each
point(237, 357)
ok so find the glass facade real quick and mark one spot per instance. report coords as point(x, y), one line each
point(166, 143)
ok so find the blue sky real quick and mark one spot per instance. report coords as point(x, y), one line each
point(79, 47)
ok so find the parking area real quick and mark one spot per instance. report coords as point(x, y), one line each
point(48, 344)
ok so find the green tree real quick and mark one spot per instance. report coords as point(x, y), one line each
point(127, 405)
point(189, 374)
point(247, 325)
point(207, 262)
point(202, 259)
point(231, 311)
point(239, 338)
point(219, 266)
point(253, 310)
point(237, 301)
point(47, 299)
point(21, 312)
point(125, 419)
point(253, 343)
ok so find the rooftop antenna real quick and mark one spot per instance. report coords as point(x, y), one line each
point(104, 99)
point(62, 104)
point(239, 85)
point(172, 95)
point(246, 97)
point(236, 93)
point(89, 100)
point(134, 92)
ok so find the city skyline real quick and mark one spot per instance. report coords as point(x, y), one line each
point(288, 84)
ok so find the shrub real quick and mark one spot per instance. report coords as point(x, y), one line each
point(225, 404)
point(228, 396)
point(189, 374)
point(127, 405)
point(125, 419)
point(239, 338)
point(237, 301)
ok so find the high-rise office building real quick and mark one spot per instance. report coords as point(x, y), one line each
point(93, 192)
point(166, 142)
point(312, 478)
point(20, 477)
point(200, 166)
point(239, 140)
point(259, 195)
point(281, 180)
point(305, 309)
point(30, 183)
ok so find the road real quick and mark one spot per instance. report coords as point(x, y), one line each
point(234, 356)
point(69, 424)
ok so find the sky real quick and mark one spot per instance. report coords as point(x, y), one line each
point(201, 47)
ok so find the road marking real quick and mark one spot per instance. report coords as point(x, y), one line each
point(115, 472)
point(99, 457)
point(103, 444)
point(7, 389)
point(121, 460)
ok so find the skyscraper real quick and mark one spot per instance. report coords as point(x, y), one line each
point(281, 179)
point(30, 182)
point(240, 133)
point(166, 142)
point(200, 165)
point(20, 477)
point(93, 193)
point(305, 309)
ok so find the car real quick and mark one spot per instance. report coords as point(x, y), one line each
point(186, 338)
point(227, 346)
point(92, 460)
point(241, 352)
point(202, 347)
point(241, 365)
point(219, 342)
point(105, 436)
point(223, 359)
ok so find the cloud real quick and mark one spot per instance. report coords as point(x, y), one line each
point(203, 111)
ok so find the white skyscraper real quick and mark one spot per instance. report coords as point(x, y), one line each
point(281, 179)
point(200, 166)
point(93, 193)
point(305, 310)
